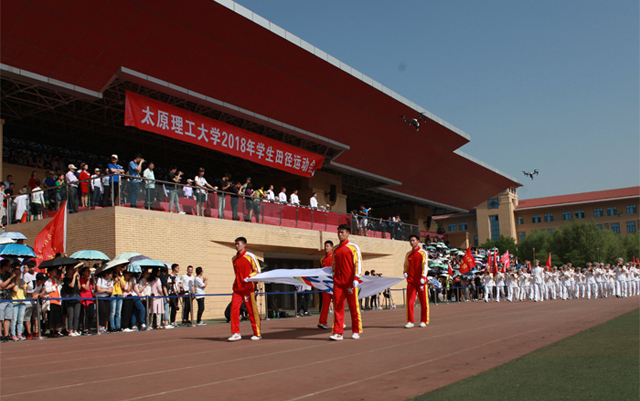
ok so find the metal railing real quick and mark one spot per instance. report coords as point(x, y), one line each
point(172, 197)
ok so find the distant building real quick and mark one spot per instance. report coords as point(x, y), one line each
point(504, 214)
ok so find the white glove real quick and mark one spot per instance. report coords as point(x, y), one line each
point(356, 283)
point(246, 279)
point(422, 280)
point(406, 275)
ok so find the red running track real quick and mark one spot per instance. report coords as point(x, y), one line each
point(295, 360)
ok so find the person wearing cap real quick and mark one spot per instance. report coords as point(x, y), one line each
point(84, 184)
point(115, 170)
point(96, 188)
point(174, 201)
point(201, 191)
point(72, 188)
point(187, 190)
point(133, 189)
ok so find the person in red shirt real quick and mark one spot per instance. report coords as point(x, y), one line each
point(416, 264)
point(347, 268)
point(245, 265)
point(326, 261)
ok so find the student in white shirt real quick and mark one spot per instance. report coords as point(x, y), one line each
point(294, 200)
point(313, 202)
point(271, 197)
point(187, 287)
point(96, 187)
point(201, 191)
point(199, 284)
point(282, 196)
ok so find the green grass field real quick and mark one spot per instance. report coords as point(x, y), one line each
point(601, 363)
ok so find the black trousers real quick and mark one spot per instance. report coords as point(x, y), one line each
point(200, 308)
point(186, 308)
point(88, 313)
point(103, 311)
point(127, 311)
point(173, 308)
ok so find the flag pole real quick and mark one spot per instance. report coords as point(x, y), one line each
point(66, 216)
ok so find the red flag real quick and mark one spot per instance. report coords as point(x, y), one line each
point(548, 260)
point(495, 263)
point(489, 261)
point(52, 238)
point(506, 261)
point(468, 262)
point(450, 269)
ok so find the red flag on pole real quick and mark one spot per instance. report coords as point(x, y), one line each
point(53, 237)
point(495, 262)
point(450, 269)
point(548, 264)
point(489, 261)
point(468, 262)
point(506, 261)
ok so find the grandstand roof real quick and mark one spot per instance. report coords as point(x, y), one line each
point(221, 54)
point(585, 197)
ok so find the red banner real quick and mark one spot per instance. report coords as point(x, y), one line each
point(174, 122)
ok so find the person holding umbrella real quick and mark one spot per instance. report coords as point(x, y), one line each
point(71, 289)
point(6, 308)
point(88, 308)
point(52, 289)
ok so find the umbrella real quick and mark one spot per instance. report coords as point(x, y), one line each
point(58, 262)
point(19, 250)
point(441, 245)
point(431, 248)
point(138, 265)
point(468, 275)
point(13, 235)
point(90, 255)
point(5, 240)
point(138, 257)
point(474, 271)
point(115, 262)
point(432, 273)
point(444, 274)
point(127, 255)
point(453, 249)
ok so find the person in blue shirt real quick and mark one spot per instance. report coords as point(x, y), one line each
point(116, 169)
point(49, 187)
point(135, 168)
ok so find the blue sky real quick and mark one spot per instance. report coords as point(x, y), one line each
point(547, 85)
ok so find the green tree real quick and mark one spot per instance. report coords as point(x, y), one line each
point(503, 244)
point(538, 240)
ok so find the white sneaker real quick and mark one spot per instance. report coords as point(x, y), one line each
point(235, 337)
point(323, 326)
point(182, 213)
point(423, 324)
point(408, 325)
point(201, 324)
point(169, 327)
point(336, 337)
point(127, 330)
point(355, 336)
point(256, 338)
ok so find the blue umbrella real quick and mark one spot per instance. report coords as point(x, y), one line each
point(90, 255)
point(127, 255)
point(19, 250)
point(138, 265)
point(13, 235)
point(139, 257)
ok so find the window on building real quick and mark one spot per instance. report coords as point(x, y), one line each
point(536, 218)
point(495, 227)
point(548, 217)
point(579, 214)
point(632, 209)
point(520, 220)
point(475, 240)
point(598, 212)
point(612, 211)
point(452, 227)
point(463, 226)
point(615, 227)
point(566, 215)
point(599, 226)
point(521, 236)
point(494, 203)
point(631, 226)
point(550, 230)
point(475, 224)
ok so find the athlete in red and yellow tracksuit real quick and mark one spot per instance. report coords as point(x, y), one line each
point(347, 268)
point(415, 271)
point(245, 265)
point(326, 261)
